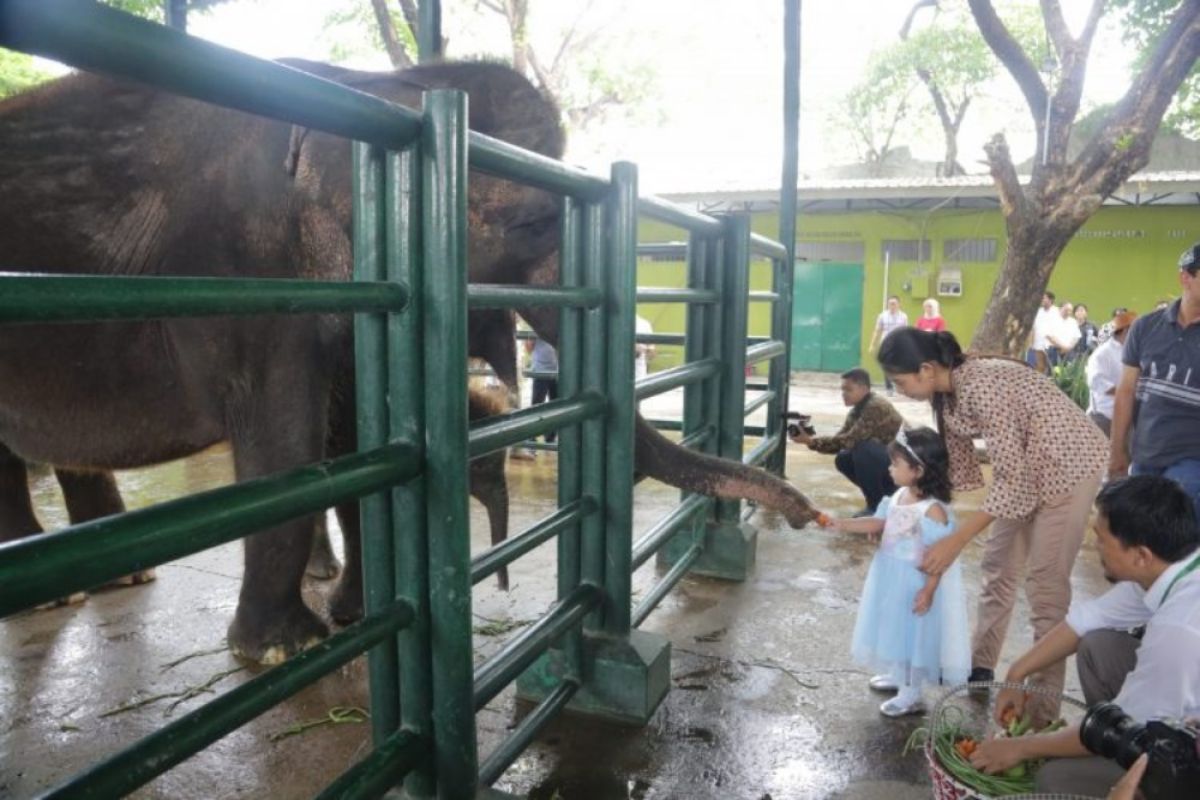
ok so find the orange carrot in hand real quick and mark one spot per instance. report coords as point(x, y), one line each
point(824, 520)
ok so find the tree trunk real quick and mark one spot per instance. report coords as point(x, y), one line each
point(1008, 319)
point(950, 166)
point(387, 32)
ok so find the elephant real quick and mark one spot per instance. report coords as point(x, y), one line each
point(110, 177)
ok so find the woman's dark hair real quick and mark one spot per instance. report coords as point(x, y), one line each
point(906, 349)
point(923, 448)
point(1153, 512)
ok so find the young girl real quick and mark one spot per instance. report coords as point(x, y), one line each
point(911, 628)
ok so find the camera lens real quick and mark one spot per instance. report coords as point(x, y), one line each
point(1110, 732)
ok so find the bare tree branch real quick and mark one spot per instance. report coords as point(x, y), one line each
point(570, 34)
point(1074, 59)
point(387, 32)
point(1013, 202)
point(1056, 27)
point(1012, 56)
point(499, 7)
point(912, 13)
point(1123, 145)
point(409, 9)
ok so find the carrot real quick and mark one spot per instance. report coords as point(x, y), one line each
point(824, 520)
point(1007, 716)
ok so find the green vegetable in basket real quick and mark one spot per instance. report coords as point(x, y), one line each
point(1017, 771)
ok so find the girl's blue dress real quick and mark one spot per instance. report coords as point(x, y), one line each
point(888, 636)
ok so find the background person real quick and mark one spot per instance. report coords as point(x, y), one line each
point(1047, 458)
point(861, 444)
point(1160, 390)
point(642, 352)
point(544, 359)
point(911, 627)
point(1043, 323)
point(931, 316)
point(1087, 334)
point(1148, 541)
point(889, 320)
point(1104, 368)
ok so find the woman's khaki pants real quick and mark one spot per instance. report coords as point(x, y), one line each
point(1043, 546)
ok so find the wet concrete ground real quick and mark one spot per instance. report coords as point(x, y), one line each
point(765, 701)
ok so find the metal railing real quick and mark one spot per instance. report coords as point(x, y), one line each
point(410, 171)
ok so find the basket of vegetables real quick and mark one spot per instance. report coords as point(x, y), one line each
point(954, 729)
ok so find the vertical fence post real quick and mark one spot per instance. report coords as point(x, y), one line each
point(625, 673)
point(370, 366)
point(730, 544)
point(406, 350)
point(444, 242)
point(779, 376)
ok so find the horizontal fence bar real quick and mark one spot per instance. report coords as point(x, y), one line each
point(494, 433)
point(93, 37)
point(675, 377)
point(699, 438)
point(665, 584)
point(762, 450)
point(664, 295)
point(140, 763)
point(504, 160)
point(78, 298)
point(524, 648)
point(764, 352)
point(759, 402)
point(382, 770)
point(667, 527)
point(660, 338)
point(511, 748)
point(676, 251)
point(38, 569)
point(664, 211)
point(763, 297)
point(545, 529)
point(487, 295)
point(769, 248)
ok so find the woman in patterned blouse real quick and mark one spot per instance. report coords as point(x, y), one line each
point(1047, 460)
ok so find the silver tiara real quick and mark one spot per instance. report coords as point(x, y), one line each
point(902, 440)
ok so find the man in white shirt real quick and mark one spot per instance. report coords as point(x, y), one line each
point(1048, 316)
point(889, 320)
point(1149, 545)
point(1104, 368)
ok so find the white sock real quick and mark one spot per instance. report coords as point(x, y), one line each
point(908, 695)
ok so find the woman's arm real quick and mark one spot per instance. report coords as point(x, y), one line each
point(941, 554)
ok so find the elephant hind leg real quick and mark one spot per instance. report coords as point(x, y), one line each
point(92, 494)
point(490, 487)
point(17, 519)
point(322, 563)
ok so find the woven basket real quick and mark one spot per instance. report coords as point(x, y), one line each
point(945, 785)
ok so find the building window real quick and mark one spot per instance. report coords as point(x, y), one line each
point(960, 250)
point(905, 250)
point(841, 252)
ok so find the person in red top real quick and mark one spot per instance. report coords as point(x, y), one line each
point(931, 319)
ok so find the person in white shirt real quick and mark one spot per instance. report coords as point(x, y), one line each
point(1047, 317)
point(891, 319)
point(642, 352)
point(1065, 333)
point(1149, 545)
point(1104, 368)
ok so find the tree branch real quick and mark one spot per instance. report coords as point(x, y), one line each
point(1065, 106)
point(1123, 145)
point(493, 5)
point(395, 50)
point(912, 13)
point(1012, 56)
point(409, 9)
point(1012, 198)
point(1056, 28)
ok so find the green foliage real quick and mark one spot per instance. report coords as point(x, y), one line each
point(1071, 377)
point(880, 106)
point(18, 73)
point(1144, 22)
point(352, 31)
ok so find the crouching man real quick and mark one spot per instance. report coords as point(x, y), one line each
point(1149, 547)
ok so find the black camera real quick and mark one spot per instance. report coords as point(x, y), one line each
point(798, 423)
point(1174, 769)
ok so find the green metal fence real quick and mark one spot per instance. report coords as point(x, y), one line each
point(410, 179)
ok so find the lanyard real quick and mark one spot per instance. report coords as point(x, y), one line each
point(1191, 567)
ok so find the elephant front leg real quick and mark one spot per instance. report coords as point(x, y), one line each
point(322, 563)
point(346, 602)
point(92, 494)
point(276, 428)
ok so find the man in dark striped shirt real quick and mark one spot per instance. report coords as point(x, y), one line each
point(1159, 393)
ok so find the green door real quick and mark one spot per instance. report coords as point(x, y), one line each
point(826, 316)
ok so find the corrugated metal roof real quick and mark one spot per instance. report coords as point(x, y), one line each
point(1144, 185)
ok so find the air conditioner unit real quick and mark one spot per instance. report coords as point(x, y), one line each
point(949, 282)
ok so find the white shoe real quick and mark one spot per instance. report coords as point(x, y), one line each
point(907, 702)
point(883, 683)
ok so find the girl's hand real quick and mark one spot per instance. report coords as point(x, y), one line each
point(924, 600)
point(996, 755)
point(1126, 788)
point(940, 555)
point(841, 525)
